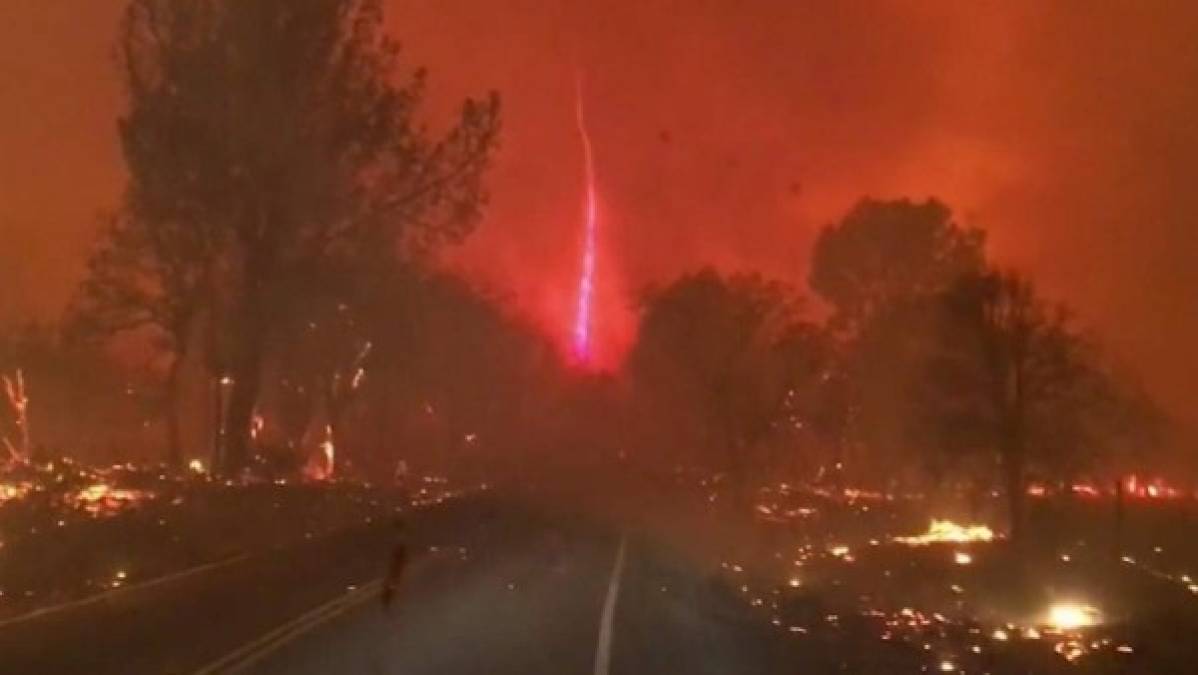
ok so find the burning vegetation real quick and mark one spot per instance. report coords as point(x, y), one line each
point(942, 470)
point(835, 574)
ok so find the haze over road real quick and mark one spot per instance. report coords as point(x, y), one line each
point(535, 603)
point(494, 587)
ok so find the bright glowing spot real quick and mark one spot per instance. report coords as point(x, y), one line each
point(949, 532)
point(195, 466)
point(1000, 635)
point(794, 582)
point(328, 449)
point(321, 465)
point(586, 280)
point(1071, 616)
point(102, 499)
point(13, 491)
point(962, 558)
point(947, 666)
point(1070, 651)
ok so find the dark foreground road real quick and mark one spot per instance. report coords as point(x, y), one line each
point(550, 597)
point(494, 587)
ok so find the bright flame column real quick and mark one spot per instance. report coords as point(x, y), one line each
point(586, 280)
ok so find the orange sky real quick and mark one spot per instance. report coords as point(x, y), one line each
point(729, 132)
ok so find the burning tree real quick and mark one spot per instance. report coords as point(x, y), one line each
point(883, 268)
point(78, 399)
point(724, 356)
point(1014, 377)
point(283, 137)
point(318, 356)
point(17, 401)
point(884, 254)
point(453, 357)
point(947, 359)
point(151, 269)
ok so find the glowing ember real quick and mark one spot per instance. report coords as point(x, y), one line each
point(962, 558)
point(14, 491)
point(102, 499)
point(327, 449)
point(196, 466)
point(1070, 650)
point(946, 531)
point(1071, 616)
point(322, 463)
point(1153, 489)
point(582, 319)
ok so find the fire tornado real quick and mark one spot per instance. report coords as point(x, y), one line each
point(586, 279)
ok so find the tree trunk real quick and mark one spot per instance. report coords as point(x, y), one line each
point(1014, 479)
point(247, 373)
point(174, 440)
point(383, 435)
point(334, 408)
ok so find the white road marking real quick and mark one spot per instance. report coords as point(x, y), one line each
point(254, 651)
point(603, 648)
point(151, 583)
point(124, 590)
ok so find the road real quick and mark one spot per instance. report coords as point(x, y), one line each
point(493, 588)
point(535, 598)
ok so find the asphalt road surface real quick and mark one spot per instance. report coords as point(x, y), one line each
point(539, 597)
point(493, 587)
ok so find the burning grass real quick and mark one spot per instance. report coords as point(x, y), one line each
point(836, 573)
point(68, 531)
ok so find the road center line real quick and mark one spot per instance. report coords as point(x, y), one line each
point(254, 651)
point(603, 648)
